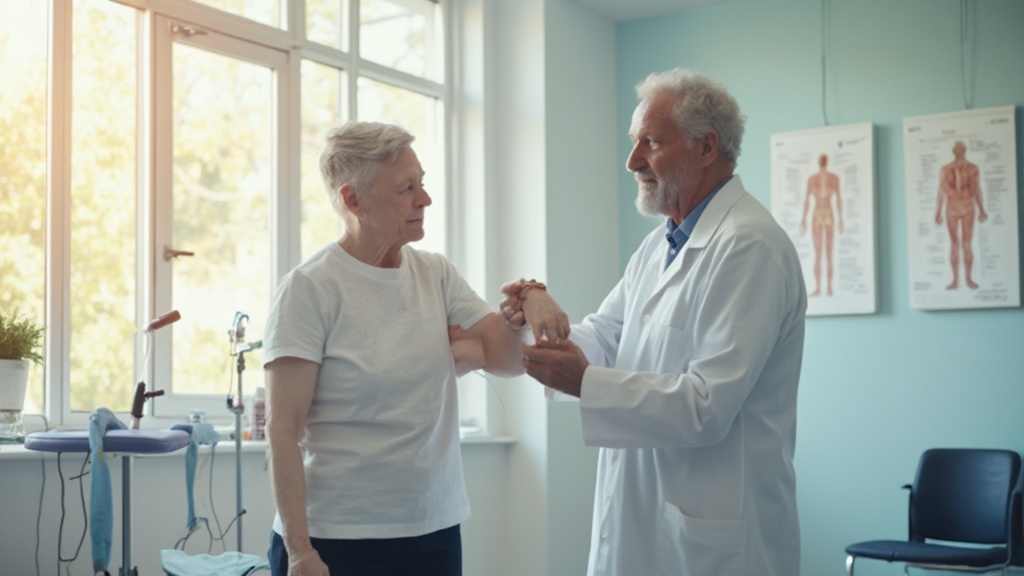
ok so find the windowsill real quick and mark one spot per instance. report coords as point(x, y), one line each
point(471, 439)
point(474, 435)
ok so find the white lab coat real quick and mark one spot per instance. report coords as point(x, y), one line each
point(691, 395)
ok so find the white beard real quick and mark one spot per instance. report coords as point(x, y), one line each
point(652, 198)
point(655, 198)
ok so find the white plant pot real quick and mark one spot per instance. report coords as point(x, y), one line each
point(13, 384)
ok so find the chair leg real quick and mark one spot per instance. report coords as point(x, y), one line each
point(849, 565)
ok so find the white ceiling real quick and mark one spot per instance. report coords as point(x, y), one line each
point(620, 10)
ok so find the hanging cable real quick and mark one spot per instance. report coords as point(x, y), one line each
point(219, 534)
point(39, 513)
point(66, 562)
point(42, 493)
point(494, 388)
point(824, 59)
point(963, 50)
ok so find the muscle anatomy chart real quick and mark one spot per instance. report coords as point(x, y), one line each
point(962, 209)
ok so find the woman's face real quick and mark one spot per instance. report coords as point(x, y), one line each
point(395, 207)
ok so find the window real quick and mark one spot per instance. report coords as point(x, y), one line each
point(324, 103)
point(402, 34)
point(215, 183)
point(101, 205)
point(23, 178)
point(183, 174)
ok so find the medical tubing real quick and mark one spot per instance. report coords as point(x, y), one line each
point(147, 345)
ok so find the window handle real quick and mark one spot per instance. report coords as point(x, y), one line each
point(170, 253)
point(185, 30)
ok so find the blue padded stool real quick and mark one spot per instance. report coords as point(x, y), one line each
point(126, 443)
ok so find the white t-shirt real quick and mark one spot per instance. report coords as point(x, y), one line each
point(382, 456)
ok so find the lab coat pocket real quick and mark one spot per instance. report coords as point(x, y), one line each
point(672, 348)
point(693, 547)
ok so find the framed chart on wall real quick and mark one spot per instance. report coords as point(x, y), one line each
point(962, 238)
point(823, 195)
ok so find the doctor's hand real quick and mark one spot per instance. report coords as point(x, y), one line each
point(559, 365)
point(307, 564)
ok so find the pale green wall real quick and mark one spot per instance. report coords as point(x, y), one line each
point(878, 389)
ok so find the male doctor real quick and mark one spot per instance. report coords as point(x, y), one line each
point(687, 374)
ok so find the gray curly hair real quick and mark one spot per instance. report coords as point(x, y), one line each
point(353, 153)
point(704, 105)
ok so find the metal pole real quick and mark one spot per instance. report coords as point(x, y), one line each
point(126, 515)
point(239, 408)
point(239, 348)
point(238, 476)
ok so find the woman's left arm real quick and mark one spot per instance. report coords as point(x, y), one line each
point(489, 344)
point(468, 353)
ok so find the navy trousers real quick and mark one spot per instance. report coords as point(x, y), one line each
point(435, 554)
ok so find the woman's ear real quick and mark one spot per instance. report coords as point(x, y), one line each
point(349, 198)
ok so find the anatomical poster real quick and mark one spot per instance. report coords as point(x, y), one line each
point(962, 239)
point(823, 195)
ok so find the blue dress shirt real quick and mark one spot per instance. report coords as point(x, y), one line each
point(678, 235)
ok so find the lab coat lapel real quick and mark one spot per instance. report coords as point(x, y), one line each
point(706, 228)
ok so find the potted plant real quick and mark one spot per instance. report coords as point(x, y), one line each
point(21, 340)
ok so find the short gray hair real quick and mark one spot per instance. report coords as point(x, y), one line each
point(353, 152)
point(703, 105)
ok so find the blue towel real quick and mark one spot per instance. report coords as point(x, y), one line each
point(178, 563)
point(101, 507)
point(199, 433)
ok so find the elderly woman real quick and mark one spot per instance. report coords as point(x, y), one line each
point(362, 418)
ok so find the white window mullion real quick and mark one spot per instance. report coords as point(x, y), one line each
point(400, 79)
point(353, 47)
point(145, 240)
point(58, 262)
point(286, 218)
point(233, 25)
point(452, 127)
point(160, 201)
point(327, 55)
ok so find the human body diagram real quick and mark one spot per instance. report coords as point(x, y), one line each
point(960, 192)
point(826, 221)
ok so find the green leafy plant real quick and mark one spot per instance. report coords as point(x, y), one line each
point(21, 338)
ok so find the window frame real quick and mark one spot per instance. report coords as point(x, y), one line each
point(286, 218)
point(176, 405)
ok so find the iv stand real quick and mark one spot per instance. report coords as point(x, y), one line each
point(237, 406)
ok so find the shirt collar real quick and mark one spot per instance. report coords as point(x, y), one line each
point(677, 235)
